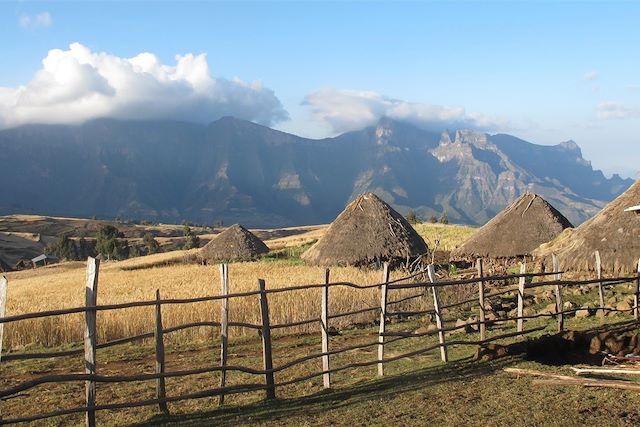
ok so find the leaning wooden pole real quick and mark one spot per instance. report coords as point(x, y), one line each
point(161, 392)
point(224, 327)
point(324, 326)
point(599, 273)
point(483, 326)
point(267, 355)
point(636, 309)
point(521, 284)
point(383, 318)
point(558, 291)
point(91, 294)
point(436, 307)
point(4, 284)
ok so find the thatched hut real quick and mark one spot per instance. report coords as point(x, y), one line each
point(367, 232)
point(233, 244)
point(614, 231)
point(516, 231)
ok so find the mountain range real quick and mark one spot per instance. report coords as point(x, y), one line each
point(237, 171)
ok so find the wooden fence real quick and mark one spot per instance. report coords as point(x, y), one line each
point(91, 377)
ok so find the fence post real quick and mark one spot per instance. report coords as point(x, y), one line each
point(267, 355)
point(91, 293)
point(636, 310)
point(3, 303)
point(159, 338)
point(483, 326)
point(599, 272)
point(324, 326)
point(436, 306)
point(383, 318)
point(521, 283)
point(224, 327)
point(558, 289)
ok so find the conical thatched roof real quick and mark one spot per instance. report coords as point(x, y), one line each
point(613, 231)
point(516, 231)
point(234, 243)
point(367, 231)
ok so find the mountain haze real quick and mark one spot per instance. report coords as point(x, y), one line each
point(238, 171)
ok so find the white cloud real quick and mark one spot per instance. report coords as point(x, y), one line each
point(42, 19)
point(591, 75)
point(344, 110)
point(77, 84)
point(615, 110)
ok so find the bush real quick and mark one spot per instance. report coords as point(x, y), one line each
point(110, 242)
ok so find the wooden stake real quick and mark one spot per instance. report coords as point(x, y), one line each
point(91, 294)
point(558, 289)
point(159, 338)
point(3, 303)
point(599, 272)
point(267, 356)
point(636, 301)
point(522, 281)
point(224, 326)
point(436, 306)
point(483, 326)
point(383, 318)
point(324, 325)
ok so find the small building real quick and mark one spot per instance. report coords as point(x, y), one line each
point(43, 259)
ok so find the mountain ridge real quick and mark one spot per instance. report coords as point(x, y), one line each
point(239, 171)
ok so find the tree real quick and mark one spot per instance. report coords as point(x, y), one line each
point(63, 248)
point(433, 219)
point(110, 242)
point(444, 219)
point(150, 244)
point(191, 240)
point(412, 217)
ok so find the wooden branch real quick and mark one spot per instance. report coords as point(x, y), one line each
point(224, 331)
point(324, 330)
point(584, 382)
point(3, 303)
point(617, 371)
point(267, 356)
point(436, 305)
point(481, 301)
point(558, 291)
point(599, 273)
point(161, 392)
point(383, 318)
point(521, 284)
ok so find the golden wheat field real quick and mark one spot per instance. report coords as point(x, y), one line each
point(62, 286)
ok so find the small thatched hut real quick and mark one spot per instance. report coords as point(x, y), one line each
point(233, 244)
point(614, 231)
point(367, 232)
point(516, 231)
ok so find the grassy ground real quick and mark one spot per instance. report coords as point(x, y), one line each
point(418, 390)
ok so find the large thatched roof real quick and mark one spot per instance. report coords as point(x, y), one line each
point(367, 231)
point(613, 231)
point(234, 243)
point(516, 231)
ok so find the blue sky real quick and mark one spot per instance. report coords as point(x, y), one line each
point(546, 72)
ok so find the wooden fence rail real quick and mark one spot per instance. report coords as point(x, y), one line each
point(384, 338)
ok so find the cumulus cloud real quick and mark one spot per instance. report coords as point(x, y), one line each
point(344, 110)
point(591, 75)
point(42, 19)
point(615, 110)
point(77, 84)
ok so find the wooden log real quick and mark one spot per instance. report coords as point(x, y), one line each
point(558, 292)
point(533, 372)
point(224, 327)
point(324, 326)
point(521, 284)
point(636, 300)
point(267, 354)
point(436, 305)
point(599, 273)
point(481, 296)
point(604, 370)
point(91, 299)
point(383, 318)
point(3, 303)
point(161, 392)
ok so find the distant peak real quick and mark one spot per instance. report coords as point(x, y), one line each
point(570, 145)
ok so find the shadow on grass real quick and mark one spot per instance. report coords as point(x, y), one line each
point(326, 400)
